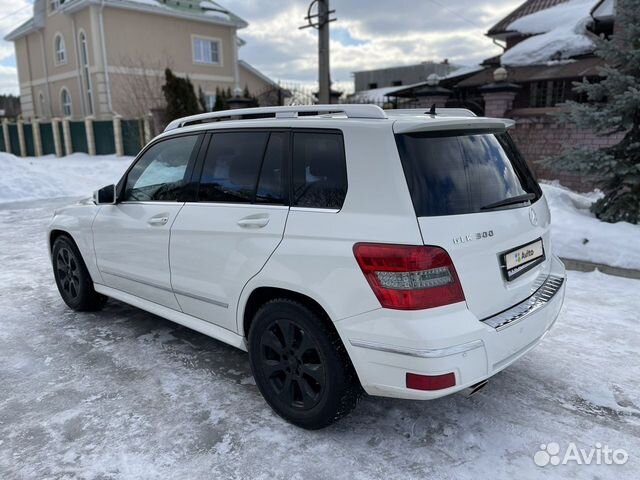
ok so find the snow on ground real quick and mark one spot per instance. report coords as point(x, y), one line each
point(122, 394)
point(77, 175)
point(558, 33)
point(577, 234)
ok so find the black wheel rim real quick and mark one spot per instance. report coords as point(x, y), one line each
point(68, 272)
point(292, 364)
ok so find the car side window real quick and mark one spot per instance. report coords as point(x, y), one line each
point(160, 173)
point(319, 170)
point(270, 184)
point(232, 167)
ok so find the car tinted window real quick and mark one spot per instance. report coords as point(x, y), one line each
point(319, 170)
point(271, 174)
point(231, 167)
point(160, 173)
point(450, 174)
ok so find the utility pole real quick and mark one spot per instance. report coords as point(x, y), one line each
point(320, 21)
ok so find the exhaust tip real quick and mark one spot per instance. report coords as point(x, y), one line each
point(473, 389)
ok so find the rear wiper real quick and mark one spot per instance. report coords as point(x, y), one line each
point(510, 201)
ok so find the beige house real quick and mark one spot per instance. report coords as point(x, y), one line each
point(79, 58)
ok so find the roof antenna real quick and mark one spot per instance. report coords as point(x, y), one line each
point(433, 110)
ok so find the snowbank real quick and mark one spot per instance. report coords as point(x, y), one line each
point(577, 234)
point(559, 33)
point(77, 175)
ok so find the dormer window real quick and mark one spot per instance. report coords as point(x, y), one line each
point(60, 50)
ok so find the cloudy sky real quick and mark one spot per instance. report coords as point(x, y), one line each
point(368, 34)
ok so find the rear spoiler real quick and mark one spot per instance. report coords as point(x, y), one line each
point(448, 123)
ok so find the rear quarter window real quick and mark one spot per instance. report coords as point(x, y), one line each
point(454, 173)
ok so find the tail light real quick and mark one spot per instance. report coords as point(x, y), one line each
point(406, 277)
point(430, 382)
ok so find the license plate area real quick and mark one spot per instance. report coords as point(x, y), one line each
point(520, 260)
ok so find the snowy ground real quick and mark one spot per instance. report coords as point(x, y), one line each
point(124, 394)
point(577, 234)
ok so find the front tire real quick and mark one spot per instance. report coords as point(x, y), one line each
point(72, 277)
point(300, 365)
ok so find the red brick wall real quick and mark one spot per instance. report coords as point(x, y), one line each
point(540, 136)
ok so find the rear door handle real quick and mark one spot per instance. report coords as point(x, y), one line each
point(158, 221)
point(254, 221)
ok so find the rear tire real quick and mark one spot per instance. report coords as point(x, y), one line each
point(72, 277)
point(300, 365)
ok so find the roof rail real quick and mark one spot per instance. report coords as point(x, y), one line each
point(350, 110)
point(441, 112)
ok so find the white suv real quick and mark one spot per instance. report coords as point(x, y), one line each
point(406, 252)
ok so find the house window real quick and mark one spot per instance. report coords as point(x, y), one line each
point(210, 101)
point(539, 92)
point(373, 85)
point(53, 5)
point(60, 50)
point(84, 58)
point(206, 50)
point(396, 83)
point(65, 102)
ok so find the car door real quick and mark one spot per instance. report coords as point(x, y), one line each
point(131, 238)
point(219, 242)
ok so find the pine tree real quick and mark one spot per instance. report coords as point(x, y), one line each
point(180, 96)
point(220, 101)
point(202, 100)
point(613, 107)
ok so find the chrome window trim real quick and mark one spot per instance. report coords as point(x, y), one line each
point(418, 352)
point(545, 290)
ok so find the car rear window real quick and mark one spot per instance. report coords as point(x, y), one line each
point(453, 173)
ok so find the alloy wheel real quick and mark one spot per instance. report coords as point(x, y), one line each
point(291, 361)
point(68, 272)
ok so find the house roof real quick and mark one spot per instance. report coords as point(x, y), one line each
point(199, 10)
point(527, 8)
point(584, 67)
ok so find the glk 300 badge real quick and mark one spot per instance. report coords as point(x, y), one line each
point(472, 236)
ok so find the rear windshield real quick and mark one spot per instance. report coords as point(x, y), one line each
point(453, 173)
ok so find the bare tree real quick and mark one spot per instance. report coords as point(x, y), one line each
point(139, 84)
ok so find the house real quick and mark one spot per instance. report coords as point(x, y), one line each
point(374, 85)
point(100, 58)
point(548, 45)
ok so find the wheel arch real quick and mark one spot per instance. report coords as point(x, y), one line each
point(261, 295)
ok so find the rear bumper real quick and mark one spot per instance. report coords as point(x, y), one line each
point(385, 345)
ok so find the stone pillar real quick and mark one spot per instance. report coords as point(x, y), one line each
point(91, 139)
point(147, 128)
point(431, 93)
point(235, 103)
point(117, 135)
point(21, 141)
point(5, 134)
point(37, 139)
point(57, 144)
point(499, 95)
point(66, 134)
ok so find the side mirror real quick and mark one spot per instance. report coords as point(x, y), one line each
point(105, 196)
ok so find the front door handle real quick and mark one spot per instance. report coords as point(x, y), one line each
point(254, 221)
point(158, 221)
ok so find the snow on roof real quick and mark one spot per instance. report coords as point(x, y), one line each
point(375, 94)
point(465, 70)
point(559, 33)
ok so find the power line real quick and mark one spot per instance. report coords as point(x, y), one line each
point(15, 11)
point(461, 17)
